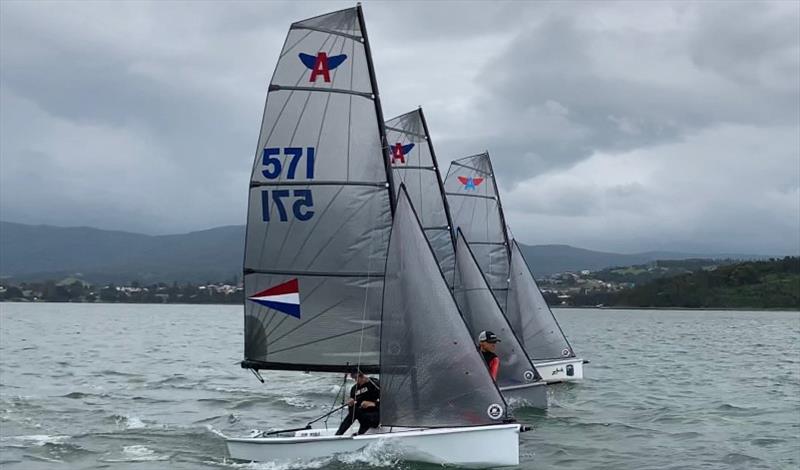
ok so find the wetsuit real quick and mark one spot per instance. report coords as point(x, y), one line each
point(367, 417)
point(493, 362)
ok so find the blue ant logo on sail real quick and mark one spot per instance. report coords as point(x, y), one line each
point(274, 161)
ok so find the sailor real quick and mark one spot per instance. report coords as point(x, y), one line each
point(363, 405)
point(487, 343)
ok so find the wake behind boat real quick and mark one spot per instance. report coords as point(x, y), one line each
point(339, 275)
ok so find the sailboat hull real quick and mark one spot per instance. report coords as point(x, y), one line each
point(528, 395)
point(471, 447)
point(561, 370)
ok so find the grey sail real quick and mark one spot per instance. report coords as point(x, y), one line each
point(319, 209)
point(539, 330)
point(414, 165)
point(475, 209)
point(431, 373)
point(481, 312)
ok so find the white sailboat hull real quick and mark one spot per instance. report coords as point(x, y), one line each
point(473, 447)
point(561, 370)
point(528, 395)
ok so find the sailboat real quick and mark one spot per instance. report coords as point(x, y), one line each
point(477, 211)
point(414, 165)
point(338, 273)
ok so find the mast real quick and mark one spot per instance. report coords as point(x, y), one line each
point(499, 205)
point(438, 177)
point(378, 108)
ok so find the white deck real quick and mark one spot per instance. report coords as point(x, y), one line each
point(560, 370)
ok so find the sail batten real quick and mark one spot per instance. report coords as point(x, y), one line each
point(320, 205)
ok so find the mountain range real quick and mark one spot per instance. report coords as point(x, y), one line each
point(40, 252)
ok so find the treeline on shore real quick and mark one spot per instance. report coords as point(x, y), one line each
point(773, 284)
point(76, 290)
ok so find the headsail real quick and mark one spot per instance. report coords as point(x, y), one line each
point(431, 374)
point(320, 205)
point(481, 312)
point(414, 164)
point(475, 209)
point(539, 331)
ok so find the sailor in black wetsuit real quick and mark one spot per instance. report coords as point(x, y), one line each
point(364, 405)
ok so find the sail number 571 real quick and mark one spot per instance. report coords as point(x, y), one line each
point(301, 201)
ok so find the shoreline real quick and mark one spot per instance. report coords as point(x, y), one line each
point(584, 307)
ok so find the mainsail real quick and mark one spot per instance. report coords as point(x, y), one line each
point(320, 205)
point(539, 330)
point(414, 165)
point(431, 374)
point(481, 312)
point(475, 209)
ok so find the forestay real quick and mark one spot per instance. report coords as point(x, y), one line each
point(414, 164)
point(475, 208)
point(481, 312)
point(538, 328)
point(431, 373)
point(320, 205)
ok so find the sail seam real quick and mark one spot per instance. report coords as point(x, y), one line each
point(257, 184)
point(322, 339)
point(413, 167)
point(470, 195)
point(403, 131)
point(279, 272)
point(329, 31)
point(471, 168)
point(326, 90)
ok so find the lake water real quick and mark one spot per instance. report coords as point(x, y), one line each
point(89, 386)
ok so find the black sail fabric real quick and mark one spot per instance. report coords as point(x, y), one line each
point(414, 165)
point(431, 373)
point(539, 331)
point(481, 312)
point(319, 211)
point(475, 209)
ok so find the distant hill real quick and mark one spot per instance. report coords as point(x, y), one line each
point(549, 259)
point(39, 252)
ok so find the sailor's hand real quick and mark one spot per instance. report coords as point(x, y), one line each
point(350, 402)
point(367, 404)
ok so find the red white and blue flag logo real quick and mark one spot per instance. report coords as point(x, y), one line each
point(399, 152)
point(283, 298)
point(469, 182)
point(321, 64)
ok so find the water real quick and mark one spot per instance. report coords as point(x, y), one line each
point(149, 387)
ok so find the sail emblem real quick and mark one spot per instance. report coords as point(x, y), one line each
point(321, 64)
point(470, 182)
point(399, 152)
point(284, 298)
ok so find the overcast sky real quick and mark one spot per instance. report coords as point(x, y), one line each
point(625, 126)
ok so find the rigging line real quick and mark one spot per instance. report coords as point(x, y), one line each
point(294, 134)
point(350, 110)
point(269, 137)
point(295, 346)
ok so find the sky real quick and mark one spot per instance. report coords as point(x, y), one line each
point(616, 126)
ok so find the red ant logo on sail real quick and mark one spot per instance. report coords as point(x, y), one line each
point(321, 64)
point(399, 152)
